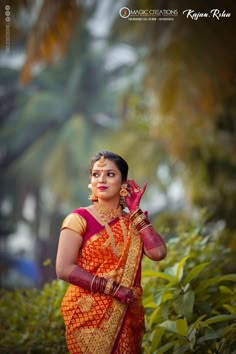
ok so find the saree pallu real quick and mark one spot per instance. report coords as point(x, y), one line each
point(97, 323)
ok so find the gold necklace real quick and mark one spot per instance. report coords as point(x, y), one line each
point(107, 214)
point(116, 248)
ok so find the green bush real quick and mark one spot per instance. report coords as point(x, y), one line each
point(189, 302)
point(31, 321)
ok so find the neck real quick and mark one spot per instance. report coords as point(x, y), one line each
point(109, 204)
point(107, 213)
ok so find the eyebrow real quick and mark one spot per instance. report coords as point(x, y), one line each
point(109, 170)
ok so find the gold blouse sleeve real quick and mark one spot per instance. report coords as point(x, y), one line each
point(75, 222)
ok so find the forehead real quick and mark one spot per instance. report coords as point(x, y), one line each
point(110, 165)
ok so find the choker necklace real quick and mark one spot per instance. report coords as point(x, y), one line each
point(107, 214)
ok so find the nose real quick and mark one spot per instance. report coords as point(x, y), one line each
point(102, 178)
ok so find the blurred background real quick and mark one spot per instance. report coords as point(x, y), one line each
point(77, 77)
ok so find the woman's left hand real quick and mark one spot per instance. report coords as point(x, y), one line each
point(133, 199)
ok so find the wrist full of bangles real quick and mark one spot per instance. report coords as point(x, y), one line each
point(150, 237)
point(103, 285)
point(139, 220)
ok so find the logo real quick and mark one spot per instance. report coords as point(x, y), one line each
point(124, 12)
point(148, 14)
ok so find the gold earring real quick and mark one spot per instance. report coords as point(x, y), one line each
point(92, 197)
point(123, 191)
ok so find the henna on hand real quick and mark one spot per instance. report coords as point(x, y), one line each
point(87, 280)
point(133, 199)
point(151, 238)
point(125, 295)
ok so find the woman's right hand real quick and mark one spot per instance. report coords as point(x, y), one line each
point(125, 295)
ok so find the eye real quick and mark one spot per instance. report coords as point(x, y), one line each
point(111, 174)
point(95, 174)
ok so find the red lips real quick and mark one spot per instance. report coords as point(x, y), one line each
point(102, 188)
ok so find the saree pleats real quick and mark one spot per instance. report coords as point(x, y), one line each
point(100, 324)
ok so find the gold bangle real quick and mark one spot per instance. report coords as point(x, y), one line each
point(145, 227)
point(118, 287)
point(142, 223)
point(91, 285)
point(108, 287)
point(139, 219)
point(135, 214)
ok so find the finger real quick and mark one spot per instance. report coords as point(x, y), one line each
point(135, 187)
point(135, 184)
point(129, 184)
point(144, 187)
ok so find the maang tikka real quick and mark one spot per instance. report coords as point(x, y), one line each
point(102, 162)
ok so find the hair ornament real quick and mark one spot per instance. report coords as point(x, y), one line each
point(102, 162)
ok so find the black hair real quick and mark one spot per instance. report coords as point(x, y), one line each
point(121, 164)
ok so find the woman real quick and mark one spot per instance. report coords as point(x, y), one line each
point(99, 254)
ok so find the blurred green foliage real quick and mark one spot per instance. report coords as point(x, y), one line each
point(31, 320)
point(189, 300)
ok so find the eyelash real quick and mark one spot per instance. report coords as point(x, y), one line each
point(109, 174)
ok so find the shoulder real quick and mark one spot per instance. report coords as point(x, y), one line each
point(75, 221)
point(83, 212)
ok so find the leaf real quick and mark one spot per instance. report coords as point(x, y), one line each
point(194, 272)
point(226, 290)
point(180, 267)
point(196, 325)
point(179, 326)
point(182, 327)
point(153, 317)
point(184, 303)
point(219, 318)
point(50, 36)
point(167, 296)
point(213, 281)
point(156, 338)
point(47, 262)
point(169, 325)
point(229, 308)
point(148, 302)
point(210, 335)
point(151, 273)
point(166, 347)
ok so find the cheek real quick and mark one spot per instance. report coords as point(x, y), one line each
point(93, 185)
point(93, 181)
point(117, 183)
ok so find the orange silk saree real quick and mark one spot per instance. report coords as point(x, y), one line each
point(97, 323)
